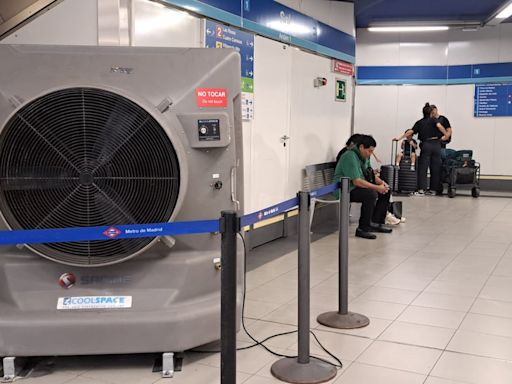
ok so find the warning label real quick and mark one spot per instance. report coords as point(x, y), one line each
point(212, 97)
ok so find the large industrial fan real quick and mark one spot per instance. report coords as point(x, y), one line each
point(107, 136)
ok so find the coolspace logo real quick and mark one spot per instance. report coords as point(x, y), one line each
point(67, 280)
point(94, 302)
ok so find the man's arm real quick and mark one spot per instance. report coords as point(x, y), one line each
point(448, 133)
point(361, 183)
point(441, 129)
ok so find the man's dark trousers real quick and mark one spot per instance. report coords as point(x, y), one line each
point(370, 211)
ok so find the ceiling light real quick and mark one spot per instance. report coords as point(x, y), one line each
point(506, 13)
point(409, 29)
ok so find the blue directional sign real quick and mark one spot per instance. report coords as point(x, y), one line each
point(217, 35)
point(493, 100)
point(276, 21)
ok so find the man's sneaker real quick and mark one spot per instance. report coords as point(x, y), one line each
point(403, 219)
point(419, 192)
point(412, 168)
point(430, 193)
point(365, 234)
point(391, 219)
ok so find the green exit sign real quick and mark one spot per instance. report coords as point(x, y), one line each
point(341, 90)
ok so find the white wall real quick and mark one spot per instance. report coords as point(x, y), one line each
point(286, 102)
point(387, 110)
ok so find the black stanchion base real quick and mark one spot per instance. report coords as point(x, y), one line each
point(291, 371)
point(349, 321)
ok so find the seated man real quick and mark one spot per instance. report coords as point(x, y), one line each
point(373, 194)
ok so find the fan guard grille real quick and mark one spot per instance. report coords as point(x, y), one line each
point(83, 157)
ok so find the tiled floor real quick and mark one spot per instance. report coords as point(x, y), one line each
point(438, 292)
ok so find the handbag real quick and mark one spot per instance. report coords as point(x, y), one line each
point(396, 209)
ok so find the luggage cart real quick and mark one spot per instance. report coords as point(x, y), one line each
point(459, 168)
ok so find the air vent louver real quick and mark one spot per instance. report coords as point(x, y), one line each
point(84, 157)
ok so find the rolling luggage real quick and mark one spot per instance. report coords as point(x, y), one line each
point(389, 173)
point(407, 178)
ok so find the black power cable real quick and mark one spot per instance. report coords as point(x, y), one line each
point(338, 363)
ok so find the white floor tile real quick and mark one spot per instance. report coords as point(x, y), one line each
point(371, 331)
point(441, 301)
point(473, 369)
point(379, 309)
point(392, 295)
point(362, 373)
point(481, 344)
point(401, 357)
point(492, 308)
point(432, 316)
point(493, 325)
point(417, 334)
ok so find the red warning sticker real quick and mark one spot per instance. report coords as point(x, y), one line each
point(212, 97)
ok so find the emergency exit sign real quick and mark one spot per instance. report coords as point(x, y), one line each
point(341, 90)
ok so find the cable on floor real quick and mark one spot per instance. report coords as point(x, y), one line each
point(338, 363)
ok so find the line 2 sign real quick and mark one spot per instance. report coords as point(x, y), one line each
point(212, 97)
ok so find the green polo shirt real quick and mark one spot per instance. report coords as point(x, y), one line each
point(350, 165)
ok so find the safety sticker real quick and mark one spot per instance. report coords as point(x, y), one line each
point(212, 97)
point(94, 302)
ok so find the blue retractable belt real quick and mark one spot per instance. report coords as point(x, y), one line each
point(59, 235)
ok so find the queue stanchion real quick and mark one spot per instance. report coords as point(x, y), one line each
point(303, 369)
point(343, 319)
point(229, 227)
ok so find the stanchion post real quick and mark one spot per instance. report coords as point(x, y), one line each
point(229, 226)
point(303, 261)
point(343, 319)
point(344, 221)
point(303, 369)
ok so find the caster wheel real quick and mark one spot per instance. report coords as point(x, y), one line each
point(475, 192)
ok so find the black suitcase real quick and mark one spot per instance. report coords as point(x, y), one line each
point(408, 178)
point(389, 173)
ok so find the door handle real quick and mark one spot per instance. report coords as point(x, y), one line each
point(284, 139)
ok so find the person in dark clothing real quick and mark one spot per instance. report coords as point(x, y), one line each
point(430, 133)
point(374, 194)
point(348, 145)
point(443, 120)
point(409, 146)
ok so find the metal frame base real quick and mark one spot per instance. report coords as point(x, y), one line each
point(9, 368)
point(337, 320)
point(291, 371)
point(167, 365)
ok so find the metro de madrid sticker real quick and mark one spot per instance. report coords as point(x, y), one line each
point(112, 232)
point(212, 97)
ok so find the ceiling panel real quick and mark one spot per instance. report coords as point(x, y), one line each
point(372, 11)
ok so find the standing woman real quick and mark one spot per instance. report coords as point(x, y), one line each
point(430, 133)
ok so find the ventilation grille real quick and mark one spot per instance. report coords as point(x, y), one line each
point(85, 157)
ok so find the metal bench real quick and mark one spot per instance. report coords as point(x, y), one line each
point(318, 176)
